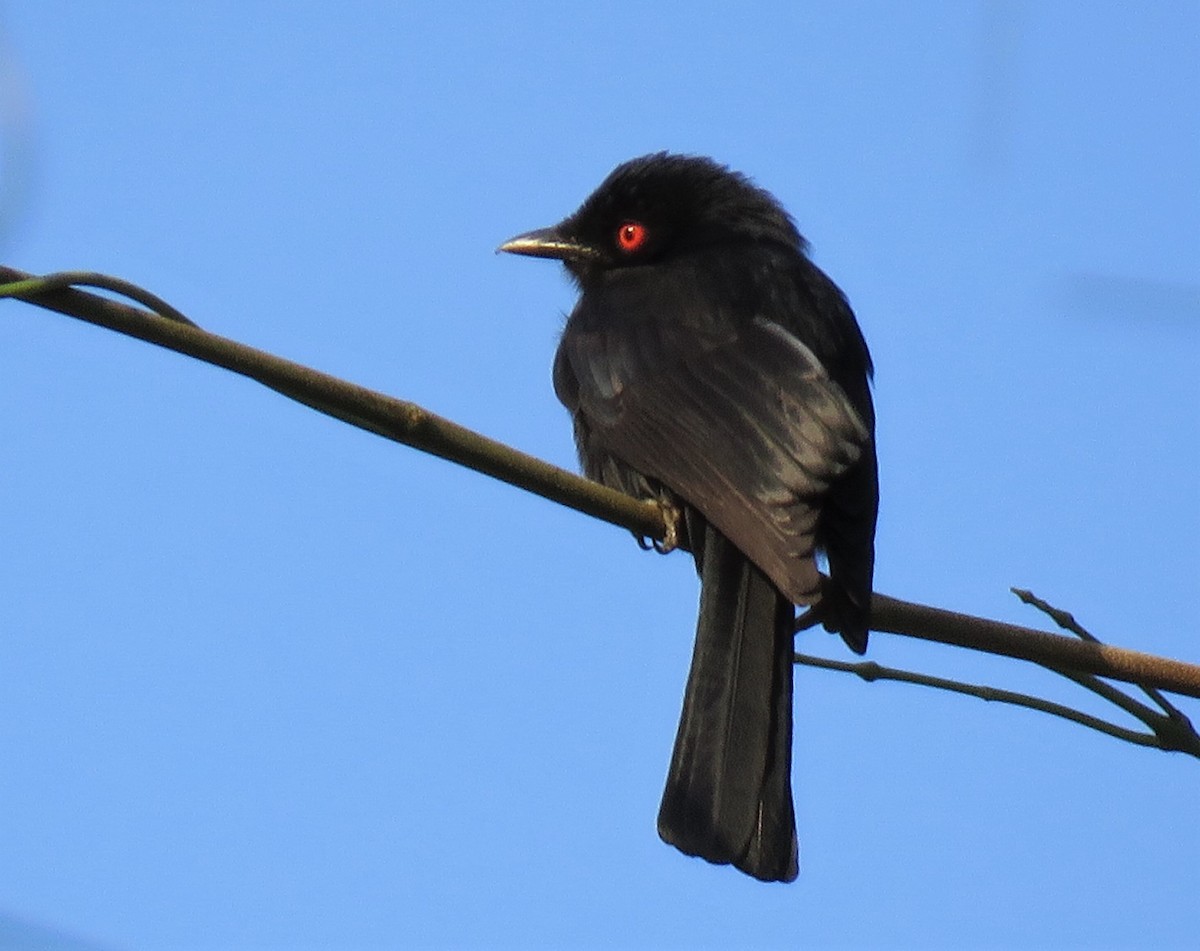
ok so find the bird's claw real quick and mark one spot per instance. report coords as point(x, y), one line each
point(671, 517)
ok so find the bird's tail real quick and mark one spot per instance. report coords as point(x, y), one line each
point(728, 797)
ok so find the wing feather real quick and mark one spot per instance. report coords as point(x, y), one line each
point(744, 424)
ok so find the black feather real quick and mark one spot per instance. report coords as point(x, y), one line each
point(710, 364)
point(728, 796)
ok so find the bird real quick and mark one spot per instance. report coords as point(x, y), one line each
point(711, 367)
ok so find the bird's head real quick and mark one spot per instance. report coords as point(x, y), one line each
point(655, 207)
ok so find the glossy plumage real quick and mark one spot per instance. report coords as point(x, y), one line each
point(710, 364)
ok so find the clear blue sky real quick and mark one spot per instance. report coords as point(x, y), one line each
point(270, 682)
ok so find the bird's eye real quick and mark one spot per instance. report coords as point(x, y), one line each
point(631, 236)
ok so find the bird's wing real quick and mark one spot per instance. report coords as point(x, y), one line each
point(744, 424)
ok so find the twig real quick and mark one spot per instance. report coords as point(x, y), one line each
point(414, 426)
point(33, 286)
point(1171, 728)
point(871, 671)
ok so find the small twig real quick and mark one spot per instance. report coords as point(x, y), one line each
point(1067, 622)
point(1172, 729)
point(871, 671)
point(59, 280)
point(1064, 619)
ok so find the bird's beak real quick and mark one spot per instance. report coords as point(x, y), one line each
point(549, 243)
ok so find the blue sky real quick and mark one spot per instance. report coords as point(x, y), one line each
point(267, 681)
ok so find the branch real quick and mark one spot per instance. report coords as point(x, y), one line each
point(1050, 650)
point(1171, 728)
point(411, 425)
point(367, 409)
point(870, 671)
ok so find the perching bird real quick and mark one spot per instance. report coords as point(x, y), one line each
point(711, 366)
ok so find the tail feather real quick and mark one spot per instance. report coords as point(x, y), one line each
point(728, 796)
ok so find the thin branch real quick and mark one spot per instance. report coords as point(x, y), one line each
point(63, 279)
point(410, 424)
point(1171, 727)
point(871, 671)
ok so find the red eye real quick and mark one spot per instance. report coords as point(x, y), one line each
point(631, 235)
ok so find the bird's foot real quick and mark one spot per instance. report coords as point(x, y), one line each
point(672, 518)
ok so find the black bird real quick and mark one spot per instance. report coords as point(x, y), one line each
point(711, 366)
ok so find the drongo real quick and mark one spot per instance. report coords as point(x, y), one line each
point(711, 366)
